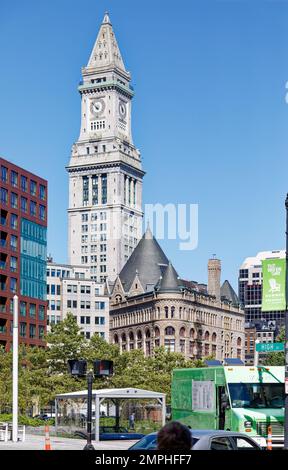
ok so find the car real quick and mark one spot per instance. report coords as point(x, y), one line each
point(111, 433)
point(43, 417)
point(205, 439)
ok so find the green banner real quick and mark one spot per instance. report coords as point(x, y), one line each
point(273, 285)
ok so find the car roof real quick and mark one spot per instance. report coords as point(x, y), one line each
point(207, 432)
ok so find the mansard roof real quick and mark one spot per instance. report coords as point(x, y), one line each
point(228, 293)
point(148, 260)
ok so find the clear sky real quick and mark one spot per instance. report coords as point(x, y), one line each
point(209, 113)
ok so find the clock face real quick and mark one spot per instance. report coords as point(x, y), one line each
point(97, 107)
point(122, 109)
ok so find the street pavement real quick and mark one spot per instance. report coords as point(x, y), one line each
point(34, 442)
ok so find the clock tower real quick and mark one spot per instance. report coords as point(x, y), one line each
point(105, 171)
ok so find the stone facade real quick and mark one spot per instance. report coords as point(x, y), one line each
point(193, 324)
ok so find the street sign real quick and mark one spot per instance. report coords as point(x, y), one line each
point(269, 347)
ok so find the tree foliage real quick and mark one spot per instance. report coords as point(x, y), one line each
point(276, 358)
point(43, 373)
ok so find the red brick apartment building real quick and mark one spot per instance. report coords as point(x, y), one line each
point(23, 254)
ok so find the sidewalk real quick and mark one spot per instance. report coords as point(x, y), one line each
point(34, 442)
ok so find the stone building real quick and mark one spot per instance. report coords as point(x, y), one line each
point(151, 306)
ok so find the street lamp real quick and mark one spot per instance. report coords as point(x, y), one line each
point(78, 368)
point(286, 337)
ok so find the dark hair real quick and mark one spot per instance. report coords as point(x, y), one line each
point(174, 436)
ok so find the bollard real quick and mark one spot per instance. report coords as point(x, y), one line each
point(47, 438)
point(269, 438)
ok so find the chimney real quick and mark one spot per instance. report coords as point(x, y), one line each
point(214, 277)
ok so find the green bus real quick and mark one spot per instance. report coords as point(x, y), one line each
point(236, 398)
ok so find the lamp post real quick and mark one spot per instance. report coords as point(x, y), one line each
point(15, 371)
point(286, 337)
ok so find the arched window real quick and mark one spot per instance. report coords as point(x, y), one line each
point(139, 334)
point(182, 332)
point(192, 333)
point(123, 338)
point(169, 331)
point(200, 333)
point(214, 337)
point(239, 342)
point(131, 336)
point(166, 312)
point(118, 299)
point(172, 312)
point(157, 336)
point(207, 336)
point(147, 334)
point(139, 339)
point(116, 339)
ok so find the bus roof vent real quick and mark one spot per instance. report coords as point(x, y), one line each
point(212, 363)
point(229, 361)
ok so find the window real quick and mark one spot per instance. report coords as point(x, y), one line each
point(14, 221)
point(14, 179)
point(221, 443)
point(24, 204)
point(23, 309)
point(42, 212)
point(14, 200)
point(23, 327)
point(13, 264)
point(13, 284)
point(32, 331)
point(85, 190)
point(84, 217)
point(33, 208)
point(32, 311)
point(41, 312)
point(33, 188)
point(99, 320)
point(42, 192)
point(4, 196)
point(97, 125)
point(94, 194)
point(100, 305)
point(4, 174)
point(24, 183)
point(41, 331)
point(14, 243)
point(104, 188)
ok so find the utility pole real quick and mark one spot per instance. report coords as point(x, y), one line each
point(15, 371)
point(256, 353)
point(286, 337)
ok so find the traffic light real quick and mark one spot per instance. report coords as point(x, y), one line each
point(77, 368)
point(103, 368)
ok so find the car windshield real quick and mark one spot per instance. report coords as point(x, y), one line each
point(147, 442)
point(255, 395)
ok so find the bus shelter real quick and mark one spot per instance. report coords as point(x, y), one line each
point(77, 399)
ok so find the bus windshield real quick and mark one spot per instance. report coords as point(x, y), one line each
point(255, 395)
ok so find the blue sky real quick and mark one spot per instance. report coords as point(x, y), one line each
point(209, 114)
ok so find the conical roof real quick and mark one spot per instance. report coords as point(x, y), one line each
point(148, 260)
point(106, 52)
point(229, 293)
point(170, 280)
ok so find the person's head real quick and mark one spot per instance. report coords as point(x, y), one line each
point(174, 436)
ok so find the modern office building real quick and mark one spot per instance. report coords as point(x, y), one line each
point(151, 306)
point(105, 170)
point(264, 326)
point(70, 289)
point(23, 241)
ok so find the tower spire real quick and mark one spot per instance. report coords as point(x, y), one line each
point(106, 53)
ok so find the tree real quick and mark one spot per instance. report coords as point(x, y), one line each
point(65, 342)
point(276, 358)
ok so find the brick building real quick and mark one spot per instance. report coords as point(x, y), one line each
point(23, 246)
